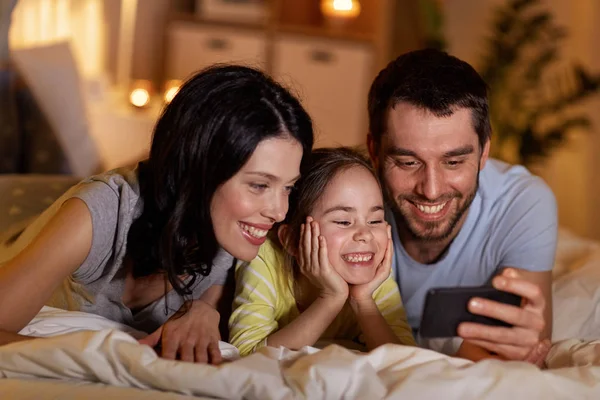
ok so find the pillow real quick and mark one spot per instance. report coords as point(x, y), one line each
point(572, 252)
point(26, 196)
point(51, 73)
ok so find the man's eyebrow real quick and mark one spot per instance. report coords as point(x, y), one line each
point(461, 151)
point(400, 152)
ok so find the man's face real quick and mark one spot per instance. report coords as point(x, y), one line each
point(430, 167)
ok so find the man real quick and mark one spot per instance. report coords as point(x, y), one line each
point(459, 218)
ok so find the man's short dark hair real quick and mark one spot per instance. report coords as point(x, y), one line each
point(434, 81)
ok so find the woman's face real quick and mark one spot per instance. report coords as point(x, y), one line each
point(245, 207)
point(351, 217)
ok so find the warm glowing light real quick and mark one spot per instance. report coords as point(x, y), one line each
point(139, 97)
point(171, 89)
point(346, 9)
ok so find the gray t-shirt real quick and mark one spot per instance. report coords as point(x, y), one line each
point(97, 285)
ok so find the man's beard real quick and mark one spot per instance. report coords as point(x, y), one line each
point(427, 231)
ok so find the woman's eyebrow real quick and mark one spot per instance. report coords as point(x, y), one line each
point(269, 176)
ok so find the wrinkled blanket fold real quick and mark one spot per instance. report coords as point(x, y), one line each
point(116, 358)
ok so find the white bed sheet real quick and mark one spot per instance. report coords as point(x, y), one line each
point(108, 359)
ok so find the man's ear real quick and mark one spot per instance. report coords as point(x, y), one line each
point(283, 236)
point(373, 150)
point(484, 154)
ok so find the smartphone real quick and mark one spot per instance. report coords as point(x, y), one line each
point(446, 308)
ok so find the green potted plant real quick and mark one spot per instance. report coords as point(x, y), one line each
point(533, 102)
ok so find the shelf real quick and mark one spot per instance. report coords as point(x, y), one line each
point(325, 32)
point(193, 18)
point(322, 31)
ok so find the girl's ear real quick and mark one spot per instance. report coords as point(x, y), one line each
point(283, 235)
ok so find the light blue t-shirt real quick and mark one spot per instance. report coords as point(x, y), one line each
point(512, 222)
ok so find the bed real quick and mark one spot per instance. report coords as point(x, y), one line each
point(85, 356)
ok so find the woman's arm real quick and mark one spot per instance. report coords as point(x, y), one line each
point(10, 337)
point(28, 280)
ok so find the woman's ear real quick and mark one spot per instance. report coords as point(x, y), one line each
point(283, 235)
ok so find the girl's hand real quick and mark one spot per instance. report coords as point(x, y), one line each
point(193, 336)
point(365, 291)
point(314, 263)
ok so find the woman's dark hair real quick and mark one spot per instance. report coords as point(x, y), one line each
point(323, 165)
point(202, 139)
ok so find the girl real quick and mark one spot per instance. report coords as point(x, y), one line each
point(151, 247)
point(332, 281)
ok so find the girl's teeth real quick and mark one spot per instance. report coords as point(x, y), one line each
point(255, 232)
point(358, 258)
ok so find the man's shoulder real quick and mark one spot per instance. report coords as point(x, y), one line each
point(503, 184)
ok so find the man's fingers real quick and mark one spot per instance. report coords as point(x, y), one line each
point(510, 281)
point(498, 334)
point(539, 353)
point(214, 353)
point(517, 316)
point(504, 351)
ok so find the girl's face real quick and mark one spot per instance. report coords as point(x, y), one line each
point(351, 217)
point(245, 207)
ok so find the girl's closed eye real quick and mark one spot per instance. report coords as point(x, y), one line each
point(376, 222)
point(343, 223)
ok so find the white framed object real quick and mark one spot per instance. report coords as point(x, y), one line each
point(233, 10)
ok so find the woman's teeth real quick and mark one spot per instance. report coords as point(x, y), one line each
point(430, 209)
point(355, 258)
point(254, 232)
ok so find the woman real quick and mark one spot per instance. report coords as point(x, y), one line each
point(151, 247)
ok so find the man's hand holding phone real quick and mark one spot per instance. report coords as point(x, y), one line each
point(521, 341)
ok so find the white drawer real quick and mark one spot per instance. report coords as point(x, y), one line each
point(332, 79)
point(191, 47)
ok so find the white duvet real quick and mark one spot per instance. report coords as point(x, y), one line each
point(110, 354)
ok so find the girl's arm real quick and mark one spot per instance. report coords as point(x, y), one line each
point(309, 326)
point(378, 306)
point(262, 298)
point(28, 280)
point(373, 325)
point(382, 317)
point(333, 292)
point(258, 302)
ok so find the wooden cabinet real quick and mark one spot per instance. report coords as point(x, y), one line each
point(329, 67)
point(332, 79)
point(191, 47)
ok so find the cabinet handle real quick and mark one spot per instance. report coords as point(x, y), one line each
point(217, 44)
point(322, 56)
